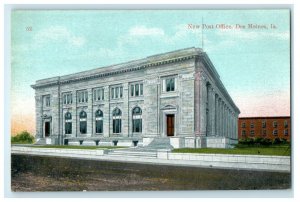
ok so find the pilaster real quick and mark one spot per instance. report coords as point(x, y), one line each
point(203, 104)
point(106, 112)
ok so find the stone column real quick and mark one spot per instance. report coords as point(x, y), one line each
point(211, 106)
point(231, 128)
point(233, 132)
point(231, 125)
point(197, 103)
point(226, 121)
point(216, 114)
point(223, 119)
point(203, 100)
point(236, 126)
point(220, 118)
point(213, 114)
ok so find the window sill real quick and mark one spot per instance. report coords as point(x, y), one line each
point(169, 94)
point(117, 101)
point(136, 98)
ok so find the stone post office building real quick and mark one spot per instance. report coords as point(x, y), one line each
point(176, 96)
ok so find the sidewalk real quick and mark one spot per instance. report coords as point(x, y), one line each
point(165, 157)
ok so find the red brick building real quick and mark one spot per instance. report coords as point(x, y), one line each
point(265, 127)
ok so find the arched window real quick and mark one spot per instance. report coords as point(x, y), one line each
point(82, 122)
point(117, 120)
point(99, 121)
point(68, 123)
point(137, 120)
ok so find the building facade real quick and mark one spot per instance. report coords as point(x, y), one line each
point(265, 127)
point(176, 95)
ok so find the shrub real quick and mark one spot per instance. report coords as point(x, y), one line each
point(266, 141)
point(258, 140)
point(276, 141)
point(242, 141)
point(283, 141)
point(23, 137)
point(250, 141)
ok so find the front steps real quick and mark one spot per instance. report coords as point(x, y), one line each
point(160, 143)
point(149, 151)
point(41, 141)
point(132, 153)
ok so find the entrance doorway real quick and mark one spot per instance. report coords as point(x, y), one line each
point(170, 124)
point(47, 129)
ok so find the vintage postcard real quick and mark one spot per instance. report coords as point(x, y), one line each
point(141, 100)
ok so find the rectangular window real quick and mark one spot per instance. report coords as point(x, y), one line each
point(99, 126)
point(67, 98)
point(116, 92)
point(47, 101)
point(117, 123)
point(131, 90)
point(112, 91)
point(285, 123)
point(275, 132)
point(98, 94)
point(243, 132)
point(86, 96)
point(286, 132)
point(243, 125)
point(137, 125)
point(136, 89)
point(170, 84)
point(252, 125)
point(252, 132)
point(275, 124)
point(141, 89)
point(68, 127)
point(82, 96)
point(264, 125)
point(69, 101)
point(83, 127)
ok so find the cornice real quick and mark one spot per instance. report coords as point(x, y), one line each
point(115, 72)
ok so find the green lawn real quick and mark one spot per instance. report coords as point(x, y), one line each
point(76, 147)
point(270, 150)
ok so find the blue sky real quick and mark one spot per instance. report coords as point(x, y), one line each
point(254, 64)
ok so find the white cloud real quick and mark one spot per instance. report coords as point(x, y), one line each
point(58, 34)
point(146, 31)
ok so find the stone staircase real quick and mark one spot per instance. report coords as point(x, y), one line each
point(133, 153)
point(160, 143)
point(41, 141)
point(149, 151)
